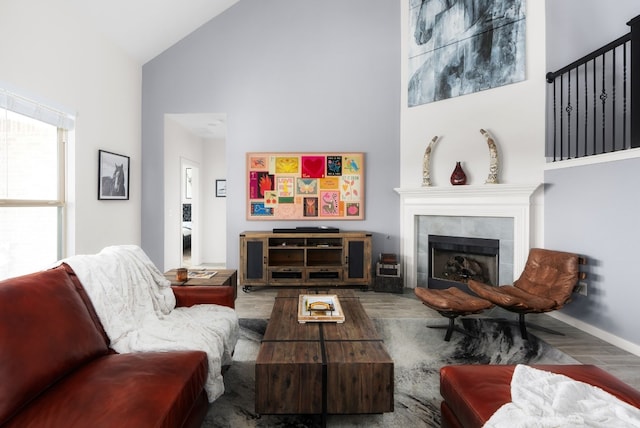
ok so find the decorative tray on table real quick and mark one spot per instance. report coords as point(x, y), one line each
point(319, 308)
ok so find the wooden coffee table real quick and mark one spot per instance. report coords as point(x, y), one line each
point(322, 368)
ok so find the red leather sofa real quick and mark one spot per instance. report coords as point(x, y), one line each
point(473, 393)
point(57, 370)
point(187, 296)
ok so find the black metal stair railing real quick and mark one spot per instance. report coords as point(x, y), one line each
point(591, 101)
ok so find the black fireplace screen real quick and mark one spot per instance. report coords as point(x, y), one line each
point(456, 259)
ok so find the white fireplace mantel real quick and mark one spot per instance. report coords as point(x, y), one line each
point(489, 200)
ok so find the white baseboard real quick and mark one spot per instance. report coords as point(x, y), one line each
point(600, 334)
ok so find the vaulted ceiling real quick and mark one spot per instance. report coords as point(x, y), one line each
point(145, 28)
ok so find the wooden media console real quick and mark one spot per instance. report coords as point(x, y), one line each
point(305, 259)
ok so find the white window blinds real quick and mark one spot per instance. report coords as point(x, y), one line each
point(36, 110)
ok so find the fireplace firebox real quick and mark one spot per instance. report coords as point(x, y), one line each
point(453, 260)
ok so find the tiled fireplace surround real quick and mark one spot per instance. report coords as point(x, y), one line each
point(494, 211)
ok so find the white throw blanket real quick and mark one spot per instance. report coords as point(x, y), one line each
point(542, 399)
point(136, 305)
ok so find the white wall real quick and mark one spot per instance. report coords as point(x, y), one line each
point(180, 146)
point(514, 115)
point(208, 155)
point(214, 221)
point(50, 53)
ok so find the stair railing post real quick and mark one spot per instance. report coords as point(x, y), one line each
point(635, 81)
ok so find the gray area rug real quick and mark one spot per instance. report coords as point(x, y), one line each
point(418, 353)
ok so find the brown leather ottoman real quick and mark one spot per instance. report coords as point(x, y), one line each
point(451, 303)
point(472, 393)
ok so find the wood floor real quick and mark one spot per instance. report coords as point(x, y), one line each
point(582, 346)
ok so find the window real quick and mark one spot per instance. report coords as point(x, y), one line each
point(32, 187)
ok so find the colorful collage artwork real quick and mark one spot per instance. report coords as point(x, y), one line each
point(305, 186)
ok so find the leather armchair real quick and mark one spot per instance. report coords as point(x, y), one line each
point(546, 284)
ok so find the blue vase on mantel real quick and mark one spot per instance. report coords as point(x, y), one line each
point(458, 177)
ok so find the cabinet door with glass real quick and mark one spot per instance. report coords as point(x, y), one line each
point(253, 261)
point(357, 260)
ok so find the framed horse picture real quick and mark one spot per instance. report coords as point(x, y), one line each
point(113, 176)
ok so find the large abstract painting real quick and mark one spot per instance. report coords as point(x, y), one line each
point(458, 47)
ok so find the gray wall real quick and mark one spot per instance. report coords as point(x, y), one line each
point(291, 75)
point(593, 209)
point(578, 27)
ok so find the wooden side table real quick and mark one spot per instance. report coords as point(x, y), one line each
point(206, 290)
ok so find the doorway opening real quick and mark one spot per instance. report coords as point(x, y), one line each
point(190, 207)
point(195, 218)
